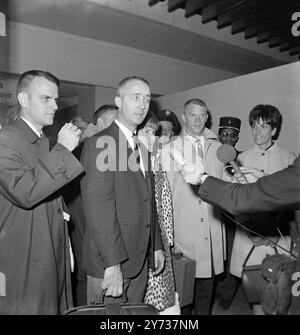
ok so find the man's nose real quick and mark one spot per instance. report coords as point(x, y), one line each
point(53, 104)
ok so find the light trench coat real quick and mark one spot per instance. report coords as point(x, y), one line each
point(198, 230)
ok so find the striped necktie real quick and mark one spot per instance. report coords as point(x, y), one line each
point(199, 148)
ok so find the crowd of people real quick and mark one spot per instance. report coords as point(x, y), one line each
point(105, 209)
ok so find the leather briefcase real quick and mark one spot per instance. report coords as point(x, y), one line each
point(113, 308)
point(184, 273)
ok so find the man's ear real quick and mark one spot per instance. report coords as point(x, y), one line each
point(118, 101)
point(23, 99)
point(183, 117)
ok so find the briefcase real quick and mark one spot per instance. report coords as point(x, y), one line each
point(113, 308)
point(184, 273)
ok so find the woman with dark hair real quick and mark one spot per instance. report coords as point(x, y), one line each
point(160, 291)
point(265, 157)
point(169, 125)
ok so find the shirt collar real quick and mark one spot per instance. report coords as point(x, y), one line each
point(193, 139)
point(128, 133)
point(272, 148)
point(32, 127)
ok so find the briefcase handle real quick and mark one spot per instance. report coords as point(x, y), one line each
point(101, 299)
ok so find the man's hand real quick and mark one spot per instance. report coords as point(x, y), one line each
point(69, 136)
point(159, 260)
point(251, 174)
point(113, 281)
point(192, 173)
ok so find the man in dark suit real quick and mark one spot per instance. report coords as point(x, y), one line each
point(34, 247)
point(118, 200)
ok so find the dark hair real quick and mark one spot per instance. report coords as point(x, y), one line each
point(269, 114)
point(195, 101)
point(102, 110)
point(150, 118)
point(27, 77)
point(124, 81)
point(168, 115)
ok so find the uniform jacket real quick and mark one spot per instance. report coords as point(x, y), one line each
point(197, 225)
point(119, 206)
point(34, 250)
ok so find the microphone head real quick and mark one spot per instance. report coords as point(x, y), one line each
point(226, 153)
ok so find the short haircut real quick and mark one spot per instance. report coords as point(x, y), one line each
point(195, 101)
point(126, 80)
point(102, 110)
point(269, 114)
point(27, 77)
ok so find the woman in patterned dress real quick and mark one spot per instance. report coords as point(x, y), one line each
point(160, 291)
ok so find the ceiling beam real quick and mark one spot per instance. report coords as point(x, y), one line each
point(275, 41)
point(264, 36)
point(245, 10)
point(260, 16)
point(285, 46)
point(175, 4)
point(154, 2)
point(193, 7)
point(294, 50)
point(270, 23)
point(212, 11)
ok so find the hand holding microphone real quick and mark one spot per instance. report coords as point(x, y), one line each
point(227, 154)
point(191, 173)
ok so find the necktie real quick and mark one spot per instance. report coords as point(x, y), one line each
point(199, 148)
point(136, 148)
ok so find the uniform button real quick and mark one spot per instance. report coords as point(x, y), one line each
point(147, 225)
point(59, 211)
point(206, 238)
point(262, 170)
point(201, 219)
point(205, 193)
point(60, 241)
point(146, 199)
point(263, 154)
point(199, 202)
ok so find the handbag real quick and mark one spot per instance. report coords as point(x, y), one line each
point(269, 283)
point(113, 308)
point(252, 281)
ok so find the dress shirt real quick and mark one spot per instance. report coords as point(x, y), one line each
point(129, 136)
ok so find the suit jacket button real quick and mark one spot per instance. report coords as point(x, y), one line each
point(205, 193)
point(147, 225)
point(59, 211)
point(146, 199)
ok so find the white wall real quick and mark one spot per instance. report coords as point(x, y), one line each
point(236, 97)
point(84, 60)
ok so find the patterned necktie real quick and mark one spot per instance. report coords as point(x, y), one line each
point(199, 148)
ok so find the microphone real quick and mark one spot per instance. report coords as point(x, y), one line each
point(227, 154)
